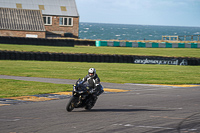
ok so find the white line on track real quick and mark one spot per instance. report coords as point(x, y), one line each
point(9, 119)
point(141, 126)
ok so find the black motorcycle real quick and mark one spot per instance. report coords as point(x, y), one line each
point(82, 96)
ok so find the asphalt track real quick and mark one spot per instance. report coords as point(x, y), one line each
point(142, 109)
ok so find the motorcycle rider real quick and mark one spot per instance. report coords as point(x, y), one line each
point(94, 82)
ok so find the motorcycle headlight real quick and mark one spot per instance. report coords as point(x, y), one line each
point(74, 88)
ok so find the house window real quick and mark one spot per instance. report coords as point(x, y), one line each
point(65, 21)
point(63, 8)
point(41, 7)
point(19, 6)
point(47, 20)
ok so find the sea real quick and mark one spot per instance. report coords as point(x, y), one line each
point(104, 31)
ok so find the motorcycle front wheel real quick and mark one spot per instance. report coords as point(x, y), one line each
point(70, 105)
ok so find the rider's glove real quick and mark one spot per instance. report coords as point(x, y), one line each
point(91, 91)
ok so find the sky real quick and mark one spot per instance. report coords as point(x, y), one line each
point(141, 12)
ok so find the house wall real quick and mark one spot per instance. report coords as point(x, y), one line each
point(57, 29)
point(15, 33)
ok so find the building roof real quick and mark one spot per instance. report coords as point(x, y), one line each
point(21, 19)
point(48, 7)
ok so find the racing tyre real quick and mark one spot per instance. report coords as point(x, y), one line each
point(70, 105)
point(90, 105)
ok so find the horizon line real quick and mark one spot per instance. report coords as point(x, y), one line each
point(139, 24)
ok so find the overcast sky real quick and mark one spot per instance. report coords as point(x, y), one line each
point(142, 12)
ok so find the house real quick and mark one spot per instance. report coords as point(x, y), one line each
point(60, 17)
point(16, 23)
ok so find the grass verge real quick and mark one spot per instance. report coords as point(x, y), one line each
point(108, 72)
point(14, 88)
point(167, 52)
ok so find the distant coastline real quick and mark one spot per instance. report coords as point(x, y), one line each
point(132, 32)
point(140, 24)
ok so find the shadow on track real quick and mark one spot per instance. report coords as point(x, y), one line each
point(120, 110)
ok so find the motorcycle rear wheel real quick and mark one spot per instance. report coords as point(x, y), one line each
point(90, 105)
point(70, 105)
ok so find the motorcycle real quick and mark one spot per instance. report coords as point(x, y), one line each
point(82, 96)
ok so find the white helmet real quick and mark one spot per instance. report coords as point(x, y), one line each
point(92, 70)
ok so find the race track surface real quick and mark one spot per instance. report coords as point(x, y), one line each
point(142, 109)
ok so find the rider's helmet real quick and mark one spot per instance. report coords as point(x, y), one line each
point(92, 72)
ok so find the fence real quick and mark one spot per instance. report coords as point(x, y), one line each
point(182, 38)
point(147, 44)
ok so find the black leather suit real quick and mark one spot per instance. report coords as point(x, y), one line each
point(93, 81)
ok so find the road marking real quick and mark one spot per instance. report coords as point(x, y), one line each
point(105, 89)
point(166, 117)
point(32, 98)
point(141, 126)
point(37, 99)
point(114, 90)
point(9, 119)
point(63, 93)
point(177, 85)
point(163, 85)
point(156, 127)
point(4, 104)
point(152, 127)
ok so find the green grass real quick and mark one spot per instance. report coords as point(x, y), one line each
point(108, 72)
point(14, 88)
point(168, 52)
